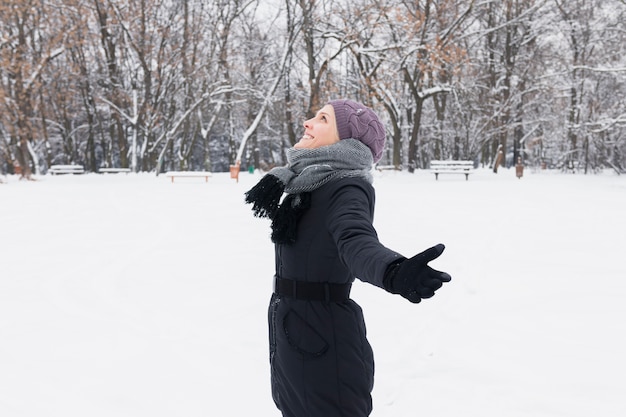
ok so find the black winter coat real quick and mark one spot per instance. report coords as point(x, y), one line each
point(321, 362)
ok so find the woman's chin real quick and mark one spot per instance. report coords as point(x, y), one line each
point(304, 144)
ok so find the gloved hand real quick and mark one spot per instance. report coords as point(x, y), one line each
point(413, 278)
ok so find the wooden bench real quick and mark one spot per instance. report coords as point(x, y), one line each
point(66, 169)
point(188, 174)
point(113, 170)
point(451, 167)
point(382, 168)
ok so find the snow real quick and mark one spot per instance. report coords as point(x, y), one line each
point(127, 295)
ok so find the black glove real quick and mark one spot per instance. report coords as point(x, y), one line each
point(413, 278)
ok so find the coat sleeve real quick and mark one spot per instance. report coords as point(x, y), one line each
point(350, 217)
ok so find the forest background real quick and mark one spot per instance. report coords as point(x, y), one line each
point(156, 85)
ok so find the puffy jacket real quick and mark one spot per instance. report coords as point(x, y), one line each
point(322, 364)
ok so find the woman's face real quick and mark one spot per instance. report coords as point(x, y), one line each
point(319, 131)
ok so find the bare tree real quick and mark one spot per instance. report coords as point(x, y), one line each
point(404, 53)
point(31, 43)
point(590, 31)
point(155, 84)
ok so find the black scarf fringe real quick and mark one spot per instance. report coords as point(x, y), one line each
point(285, 221)
point(265, 199)
point(265, 196)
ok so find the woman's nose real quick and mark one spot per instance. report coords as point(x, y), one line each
point(307, 124)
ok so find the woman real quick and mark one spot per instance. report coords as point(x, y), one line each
point(321, 362)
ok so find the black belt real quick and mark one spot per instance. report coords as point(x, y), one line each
point(312, 291)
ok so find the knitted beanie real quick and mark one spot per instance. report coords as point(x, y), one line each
point(356, 121)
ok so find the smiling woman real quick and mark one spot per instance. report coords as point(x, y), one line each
point(321, 130)
point(321, 361)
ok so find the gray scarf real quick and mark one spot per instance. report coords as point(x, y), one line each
point(307, 170)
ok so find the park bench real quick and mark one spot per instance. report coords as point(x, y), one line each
point(188, 174)
point(382, 168)
point(113, 170)
point(451, 167)
point(66, 169)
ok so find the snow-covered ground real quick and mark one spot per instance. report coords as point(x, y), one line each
point(127, 295)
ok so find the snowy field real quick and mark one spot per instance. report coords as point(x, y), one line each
point(127, 295)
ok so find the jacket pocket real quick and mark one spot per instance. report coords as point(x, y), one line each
point(272, 318)
point(272, 313)
point(303, 337)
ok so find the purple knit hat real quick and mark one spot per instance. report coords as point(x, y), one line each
point(356, 121)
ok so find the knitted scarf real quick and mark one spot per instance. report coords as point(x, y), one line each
point(307, 170)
